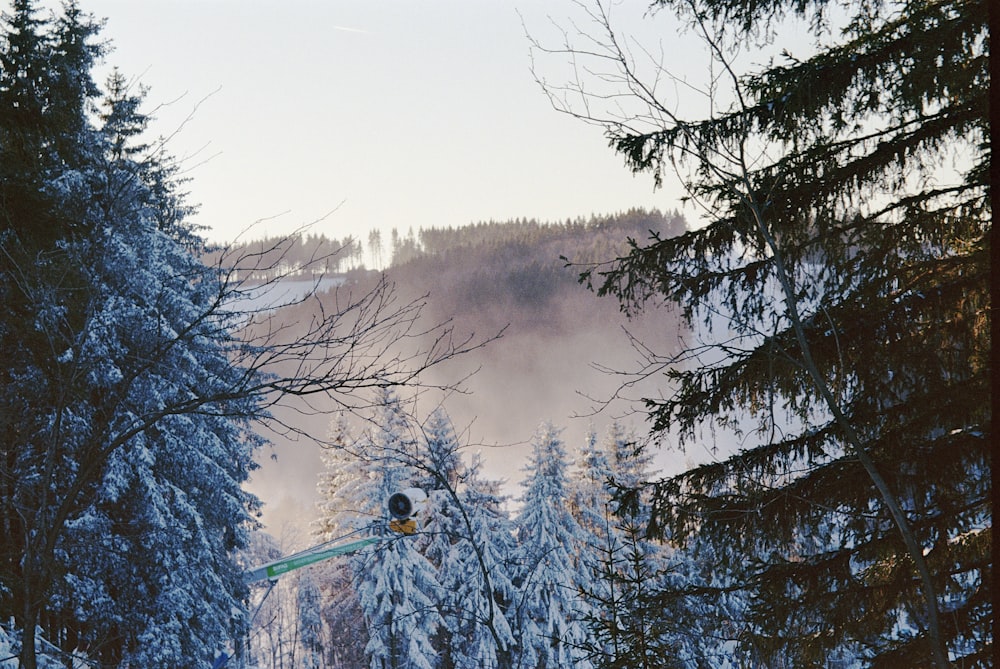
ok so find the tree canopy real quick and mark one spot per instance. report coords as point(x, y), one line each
point(840, 287)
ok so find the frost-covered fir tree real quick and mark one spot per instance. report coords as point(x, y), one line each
point(123, 444)
point(588, 488)
point(340, 514)
point(601, 473)
point(620, 569)
point(439, 461)
point(475, 574)
point(341, 508)
point(440, 458)
point(550, 612)
point(630, 462)
point(397, 586)
point(589, 498)
point(490, 546)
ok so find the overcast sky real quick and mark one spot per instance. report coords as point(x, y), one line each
point(388, 113)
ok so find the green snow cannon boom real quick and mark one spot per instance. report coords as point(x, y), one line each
point(403, 507)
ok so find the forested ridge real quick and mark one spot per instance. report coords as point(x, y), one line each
point(514, 265)
point(518, 278)
point(486, 243)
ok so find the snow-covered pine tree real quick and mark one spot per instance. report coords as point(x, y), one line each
point(588, 494)
point(620, 569)
point(397, 586)
point(340, 513)
point(439, 463)
point(121, 500)
point(630, 462)
point(475, 575)
point(601, 473)
point(550, 613)
point(341, 484)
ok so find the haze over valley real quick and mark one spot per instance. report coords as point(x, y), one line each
point(559, 356)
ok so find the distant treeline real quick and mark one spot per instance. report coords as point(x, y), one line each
point(602, 236)
point(519, 266)
point(582, 240)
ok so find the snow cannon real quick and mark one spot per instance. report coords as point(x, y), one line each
point(403, 507)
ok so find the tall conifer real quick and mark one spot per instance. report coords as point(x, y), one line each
point(121, 505)
point(845, 267)
point(397, 586)
point(475, 576)
point(549, 619)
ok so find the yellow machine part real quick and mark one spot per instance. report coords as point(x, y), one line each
point(408, 526)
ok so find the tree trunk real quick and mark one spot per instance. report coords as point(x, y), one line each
point(29, 622)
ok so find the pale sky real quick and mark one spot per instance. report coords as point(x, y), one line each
point(388, 113)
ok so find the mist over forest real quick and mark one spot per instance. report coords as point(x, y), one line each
point(554, 360)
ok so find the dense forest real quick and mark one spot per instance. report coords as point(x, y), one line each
point(555, 580)
point(308, 252)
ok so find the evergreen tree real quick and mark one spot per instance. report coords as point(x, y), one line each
point(46, 90)
point(439, 461)
point(491, 547)
point(846, 259)
point(396, 585)
point(475, 576)
point(620, 569)
point(589, 494)
point(342, 512)
point(122, 504)
point(341, 486)
point(630, 627)
point(549, 611)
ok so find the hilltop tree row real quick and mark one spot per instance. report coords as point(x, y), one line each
point(308, 254)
